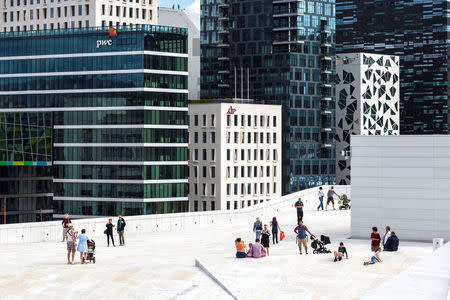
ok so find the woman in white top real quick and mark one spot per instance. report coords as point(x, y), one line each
point(321, 195)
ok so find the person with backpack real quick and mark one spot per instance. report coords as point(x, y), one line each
point(300, 231)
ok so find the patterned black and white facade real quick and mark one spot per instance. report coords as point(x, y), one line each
point(367, 102)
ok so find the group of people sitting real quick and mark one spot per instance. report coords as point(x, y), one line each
point(390, 243)
point(255, 250)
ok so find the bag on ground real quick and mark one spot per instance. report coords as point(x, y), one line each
point(281, 235)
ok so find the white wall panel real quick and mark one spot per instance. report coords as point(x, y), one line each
point(403, 182)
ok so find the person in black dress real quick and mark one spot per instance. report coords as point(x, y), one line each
point(265, 238)
point(275, 228)
point(109, 231)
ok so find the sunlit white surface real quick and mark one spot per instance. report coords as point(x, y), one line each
point(161, 265)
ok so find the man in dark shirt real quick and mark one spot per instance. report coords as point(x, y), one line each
point(299, 206)
point(391, 243)
point(375, 237)
point(120, 230)
point(65, 226)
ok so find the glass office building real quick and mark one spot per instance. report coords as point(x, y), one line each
point(118, 107)
point(418, 32)
point(278, 52)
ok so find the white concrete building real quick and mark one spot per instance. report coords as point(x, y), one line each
point(368, 95)
point(404, 182)
point(191, 21)
point(22, 15)
point(235, 155)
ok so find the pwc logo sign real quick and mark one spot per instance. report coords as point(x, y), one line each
point(109, 41)
point(231, 111)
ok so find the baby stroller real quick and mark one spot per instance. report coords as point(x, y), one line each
point(319, 246)
point(344, 202)
point(91, 251)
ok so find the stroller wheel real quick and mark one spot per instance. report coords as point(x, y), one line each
point(93, 260)
point(315, 252)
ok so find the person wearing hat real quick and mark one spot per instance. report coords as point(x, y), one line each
point(71, 245)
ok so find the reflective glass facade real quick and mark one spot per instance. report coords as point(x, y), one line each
point(117, 108)
point(286, 50)
point(418, 32)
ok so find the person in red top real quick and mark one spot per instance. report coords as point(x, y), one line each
point(375, 237)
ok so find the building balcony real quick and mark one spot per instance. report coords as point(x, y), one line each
point(283, 1)
point(325, 98)
point(326, 72)
point(287, 28)
point(224, 5)
point(223, 45)
point(224, 31)
point(325, 112)
point(223, 85)
point(285, 14)
point(223, 72)
point(326, 85)
point(326, 57)
point(326, 129)
point(287, 42)
point(224, 18)
point(223, 58)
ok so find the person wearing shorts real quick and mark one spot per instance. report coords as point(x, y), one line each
point(330, 199)
point(71, 246)
point(300, 231)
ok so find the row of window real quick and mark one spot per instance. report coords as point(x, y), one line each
point(50, 26)
point(249, 139)
point(212, 204)
point(31, 2)
point(251, 172)
point(212, 172)
point(212, 120)
point(261, 156)
point(114, 117)
point(205, 140)
point(110, 190)
point(94, 63)
point(121, 172)
point(249, 203)
point(99, 81)
point(44, 13)
point(123, 14)
point(205, 190)
point(95, 100)
point(247, 188)
point(121, 154)
point(212, 156)
point(120, 135)
point(264, 121)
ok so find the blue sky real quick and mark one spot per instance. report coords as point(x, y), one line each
point(185, 4)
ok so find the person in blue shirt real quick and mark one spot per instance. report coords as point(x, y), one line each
point(301, 231)
point(338, 255)
point(257, 228)
point(82, 245)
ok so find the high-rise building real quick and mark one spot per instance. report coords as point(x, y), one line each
point(280, 52)
point(417, 32)
point(107, 111)
point(367, 102)
point(23, 15)
point(191, 21)
point(235, 153)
